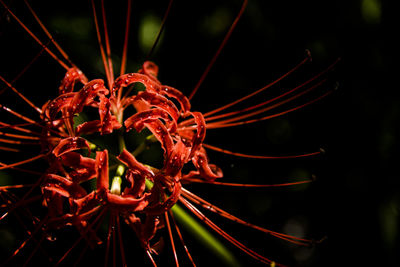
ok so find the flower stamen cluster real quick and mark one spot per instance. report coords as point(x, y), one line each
point(70, 167)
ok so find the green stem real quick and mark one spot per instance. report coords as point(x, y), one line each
point(149, 139)
point(201, 233)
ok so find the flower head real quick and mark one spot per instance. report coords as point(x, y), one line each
point(94, 175)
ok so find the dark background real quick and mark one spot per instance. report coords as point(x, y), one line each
point(354, 202)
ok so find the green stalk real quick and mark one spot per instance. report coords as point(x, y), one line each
point(201, 233)
point(204, 236)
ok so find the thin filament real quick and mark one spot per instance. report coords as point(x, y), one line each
point(259, 90)
point(65, 66)
point(161, 29)
point(108, 49)
point(48, 33)
point(250, 185)
point(103, 55)
point(260, 156)
point(125, 49)
point(171, 238)
point(207, 70)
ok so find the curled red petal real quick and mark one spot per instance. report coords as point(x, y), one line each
point(139, 105)
point(138, 120)
point(198, 138)
point(59, 179)
point(178, 157)
point(86, 203)
point(67, 84)
point(96, 126)
point(86, 95)
point(57, 189)
point(84, 167)
point(158, 129)
point(82, 175)
point(149, 229)
point(102, 171)
point(88, 127)
point(128, 203)
point(157, 100)
point(58, 104)
point(137, 184)
point(149, 68)
point(70, 144)
point(131, 78)
point(160, 207)
point(204, 169)
point(63, 186)
point(181, 98)
point(105, 116)
point(76, 160)
point(135, 166)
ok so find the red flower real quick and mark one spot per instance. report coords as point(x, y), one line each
point(140, 195)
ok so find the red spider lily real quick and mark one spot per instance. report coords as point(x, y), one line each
point(142, 196)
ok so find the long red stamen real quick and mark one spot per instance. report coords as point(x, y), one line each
point(23, 200)
point(268, 101)
point(108, 49)
point(225, 235)
point(17, 128)
point(13, 198)
point(18, 204)
point(103, 54)
point(218, 125)
point(26, 67)
point(196, 199)
point(121, 245)
point(87, 228)
point(15, 186)
point(259, 90)
point(208, 68)
point(23, 162)
point(37, 246)
point(161, 29)
point(20, 136)
point(63, 53)
point(181, 238)
point(15, 142)
point(273, 99)
point(34, 36)
point(23, 170)
point(9, 149)
point(23, 244)
point(260, 156)
point(171, 238)
point(125, 49)
point(249, 185)
point(251, 114)
point(208, 114)
point(83, 252)
point(17, 114)
point(109, 234)
point(151, 258)
point(114, 243)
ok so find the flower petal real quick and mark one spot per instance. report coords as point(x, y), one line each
point(70, 144)
point(135, 166)
point(102, 171)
